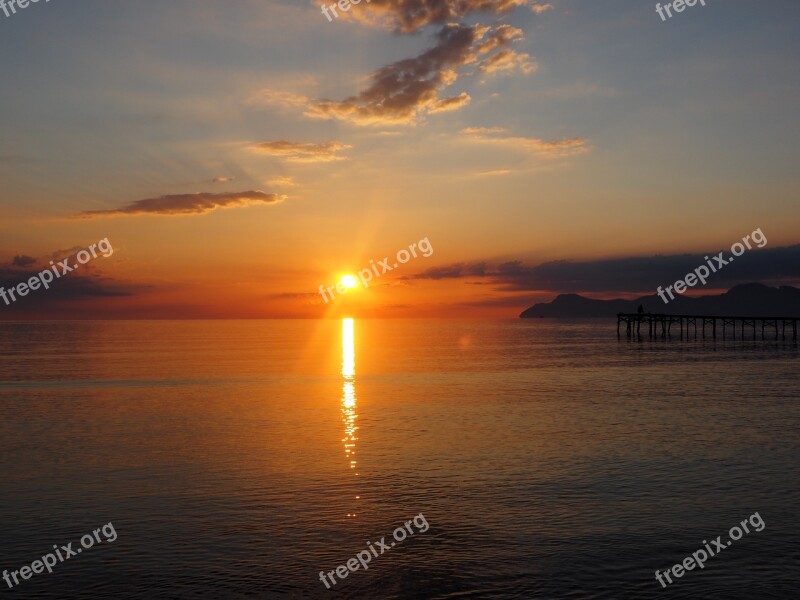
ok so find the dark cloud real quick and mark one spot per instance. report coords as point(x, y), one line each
point(405, 91)
point(84, 282)
point(454, 271)
point(307, 298)
point(410, 15)
point(632, 274)
point(186, 204)
point(23, 261)
point(62, 254)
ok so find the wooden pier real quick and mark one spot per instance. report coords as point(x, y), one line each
point(658, 325)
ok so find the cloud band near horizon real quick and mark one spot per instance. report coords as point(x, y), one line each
point(185, 204)
point(640, 274)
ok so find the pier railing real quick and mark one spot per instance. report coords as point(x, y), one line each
point(661, 325)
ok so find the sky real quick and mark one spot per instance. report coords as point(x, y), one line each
point(238, 156)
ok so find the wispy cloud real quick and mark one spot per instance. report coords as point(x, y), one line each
point(284, 181)
point(186, 204)
point(494, 173)
point(278, 99)
point(483, 131)
point(302, 152)
point(222, 179)
point(558, 148)
point(541, 8)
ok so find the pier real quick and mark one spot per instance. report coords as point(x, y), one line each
point(659, 325)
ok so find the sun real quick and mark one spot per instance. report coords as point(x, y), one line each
point(349, 281)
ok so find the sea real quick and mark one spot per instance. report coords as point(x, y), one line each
point(519, 459)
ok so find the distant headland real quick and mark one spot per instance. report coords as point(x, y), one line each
point(744, 299)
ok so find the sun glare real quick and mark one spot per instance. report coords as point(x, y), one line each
point(349, 281)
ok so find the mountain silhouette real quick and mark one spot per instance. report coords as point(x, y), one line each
point(745, 300)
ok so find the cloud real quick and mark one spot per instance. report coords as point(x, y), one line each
point(302, 152)
point(453, 103)
point(68, 287)
point(560, 148)
point(505, 59)
point(61, 254)
point(541, 8)
point(308, 298)
point(402, 93)
point(454, 271)
point(494, 173)
point(481, 131)
point(87, 282)
point(277, 99)
point(222, 179)
point(23, 261)
point(639, 274)
point(284, 181)
point(508, 61)
point(411, 15)
point(186, 204)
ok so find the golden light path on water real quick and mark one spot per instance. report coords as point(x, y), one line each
point(349, 414)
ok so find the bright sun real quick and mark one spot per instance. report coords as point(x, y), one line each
point(349, 281)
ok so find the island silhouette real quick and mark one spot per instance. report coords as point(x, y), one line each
point(744, 299)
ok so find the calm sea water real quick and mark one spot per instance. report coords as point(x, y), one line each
point(550, 459)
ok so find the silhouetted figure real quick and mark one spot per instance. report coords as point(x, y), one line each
point(641, 309)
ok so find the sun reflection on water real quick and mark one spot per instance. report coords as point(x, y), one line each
point(349, 414)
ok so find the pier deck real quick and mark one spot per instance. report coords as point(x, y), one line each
point(661, 325)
